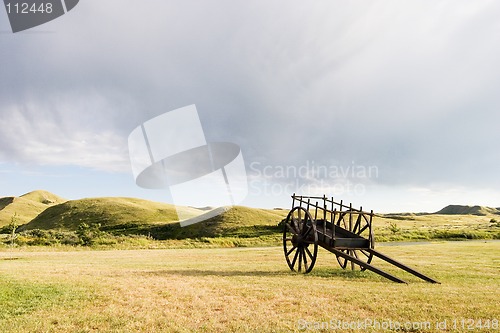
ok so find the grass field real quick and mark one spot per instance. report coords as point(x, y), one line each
point(245, 290)
point(436, 226)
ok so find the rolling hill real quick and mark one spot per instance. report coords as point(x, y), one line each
point(109, 212)
point(130, 216)
point(467, 210)
point(135, 216)
point(26, 207)
point(237, 221)
point(46, 211)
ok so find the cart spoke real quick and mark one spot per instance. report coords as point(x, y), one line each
point(341, 222)
point(305, 259)
point(300, 259)
point(309, 254)
point(363, 229)
point(299, 219)
point(291, 250)
point(343, 261)
point(301, 227)
point(340, 219)
point(355, 254)
point(357, 225)
point(291, 229)
point(295, 258)
point(368, 256)
point(352, 253)
point(298, 226)
point(302, 224)
point(308, 231)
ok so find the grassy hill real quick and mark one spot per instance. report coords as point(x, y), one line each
point(46, 211)
point(467, 210)
point(27, 206)
point(122, 216)
point(111, 213)
point(237, 221)
point(135, 216)
point(452, 222)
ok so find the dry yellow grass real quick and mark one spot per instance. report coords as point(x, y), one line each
point(241, 290)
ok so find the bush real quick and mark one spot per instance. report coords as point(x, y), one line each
point(393, 227)
point(66, 238)
point(88, 233)
point(38, 237)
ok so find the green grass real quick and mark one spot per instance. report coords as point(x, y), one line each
point(241, 290)
point(435, 226)
point(20, 298)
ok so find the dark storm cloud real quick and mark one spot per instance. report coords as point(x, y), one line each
point(410, 87)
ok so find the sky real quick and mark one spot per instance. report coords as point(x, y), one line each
point(392, 105)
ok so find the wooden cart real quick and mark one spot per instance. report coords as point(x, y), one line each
point(343, 230)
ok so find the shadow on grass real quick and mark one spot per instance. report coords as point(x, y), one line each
point(338, 274)
point(222, 273)
point(344, 274)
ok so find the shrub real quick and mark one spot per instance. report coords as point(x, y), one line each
point(393, 227)
point(88, 233)
point(65, 237)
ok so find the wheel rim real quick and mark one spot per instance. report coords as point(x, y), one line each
point(300, 240)
point(358, 224)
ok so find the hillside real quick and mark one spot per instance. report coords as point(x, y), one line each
point(109, 212)
point(237, 221)
point(44, 210)
point(468, 210)
point(26, 207)
point(136, 216)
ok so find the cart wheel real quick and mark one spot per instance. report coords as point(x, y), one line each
point(300, 240)
point(360, 227)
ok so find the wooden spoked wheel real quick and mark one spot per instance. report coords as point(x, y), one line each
point(358, 224)
point(300, 240)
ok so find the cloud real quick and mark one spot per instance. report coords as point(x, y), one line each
point(410, 87)
point(62, 133)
